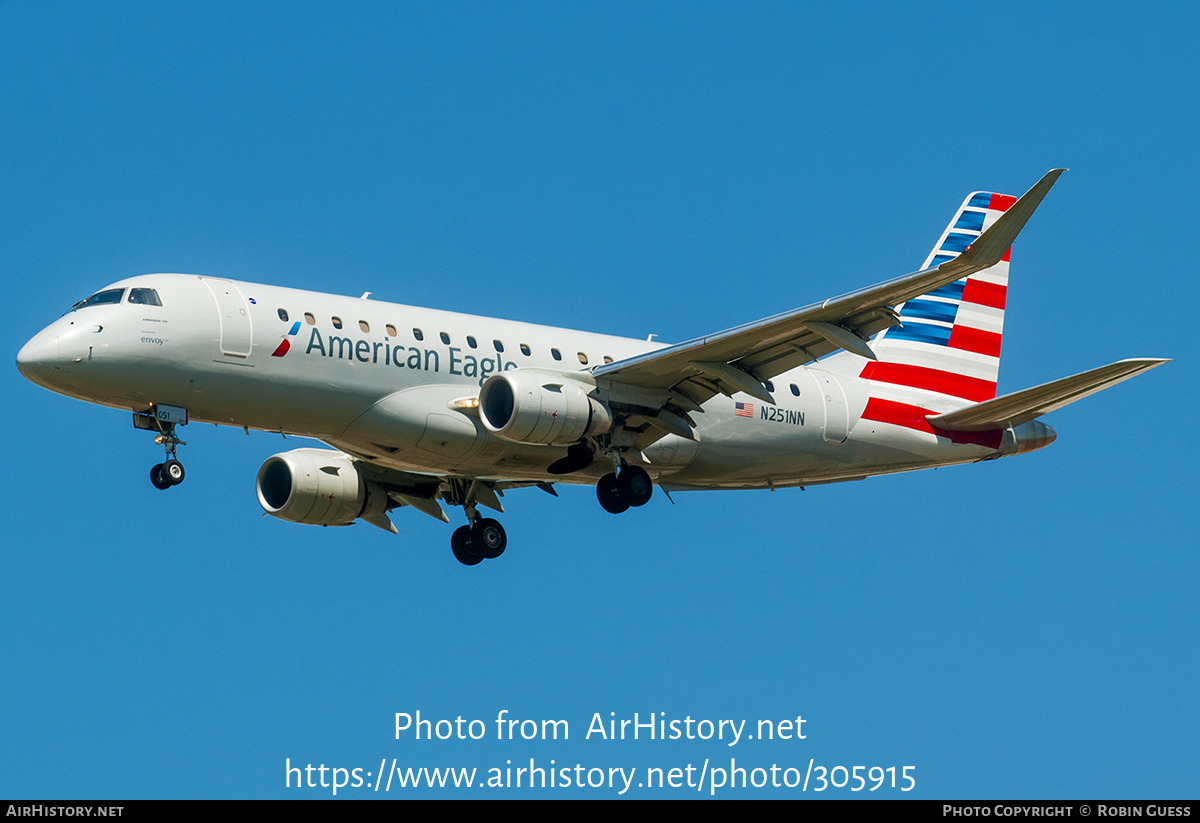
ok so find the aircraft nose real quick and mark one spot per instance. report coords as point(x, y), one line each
point(36, 359)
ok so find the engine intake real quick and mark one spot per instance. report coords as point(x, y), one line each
point(317, 486)
point(543, 407)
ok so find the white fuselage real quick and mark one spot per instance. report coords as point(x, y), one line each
point(379, 380)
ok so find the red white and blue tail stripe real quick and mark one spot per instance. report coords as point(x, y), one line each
point(949, 339)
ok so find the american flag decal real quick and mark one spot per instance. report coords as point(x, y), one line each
point(743, 409)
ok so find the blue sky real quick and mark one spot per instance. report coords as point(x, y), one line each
point(1023, 628)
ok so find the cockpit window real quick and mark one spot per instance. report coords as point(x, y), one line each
point(147, 297)
point(100, 298)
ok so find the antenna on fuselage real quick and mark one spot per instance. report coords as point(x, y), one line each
point(366, 294)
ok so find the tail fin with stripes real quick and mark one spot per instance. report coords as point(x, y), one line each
point(949, 339)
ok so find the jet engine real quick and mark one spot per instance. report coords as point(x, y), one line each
point(543, 407)
point(317, 486)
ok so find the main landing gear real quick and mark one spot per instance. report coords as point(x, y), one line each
point(618, 491)
point(482, 538)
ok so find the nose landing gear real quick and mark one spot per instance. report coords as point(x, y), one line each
point(168, 474)
point(163, 419)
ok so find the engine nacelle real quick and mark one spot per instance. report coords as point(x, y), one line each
point(317, 486)
point(544, 407)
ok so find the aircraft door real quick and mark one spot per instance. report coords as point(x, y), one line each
point(236, 342)
point(837, 414)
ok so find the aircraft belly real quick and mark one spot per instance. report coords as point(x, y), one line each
point(671, 454)
point(744, 444)
point(449, 435)
point(417, 426)
point(815, 437)
point(420, 429)
point(726, 465)
point(781, 461)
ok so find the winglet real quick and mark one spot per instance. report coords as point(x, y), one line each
point(991, 246)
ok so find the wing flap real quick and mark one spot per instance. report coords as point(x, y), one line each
point(1023, 406)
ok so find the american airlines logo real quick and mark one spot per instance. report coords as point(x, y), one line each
point(284, 345)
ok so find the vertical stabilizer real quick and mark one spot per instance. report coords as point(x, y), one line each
point(949, 339)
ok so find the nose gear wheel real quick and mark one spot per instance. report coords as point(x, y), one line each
point(170, 472)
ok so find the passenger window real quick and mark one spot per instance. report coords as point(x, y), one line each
point(418, 335)
point(499, 346)
point(471, 341)
point(795, 390)
point(148, 297)
point(337, 322)
point(770, 387)
point(607, 359)
point(309, 319)
point(525, 349)
point(445, 338)
point(583, 358)
point(391, 330)
point(364, 327)
point(282, 312)
point(556, 354)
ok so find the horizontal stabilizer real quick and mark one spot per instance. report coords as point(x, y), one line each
point(1023, 406)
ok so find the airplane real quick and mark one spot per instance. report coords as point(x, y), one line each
point(424, 407)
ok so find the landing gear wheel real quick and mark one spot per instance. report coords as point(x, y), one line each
point(157, 477)
point(609, 496)
point(460, 544)
point(634, 486)
point(488, 538)
point(172, 472)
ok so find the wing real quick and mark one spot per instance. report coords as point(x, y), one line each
point(742, 358)
point(423, 491)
